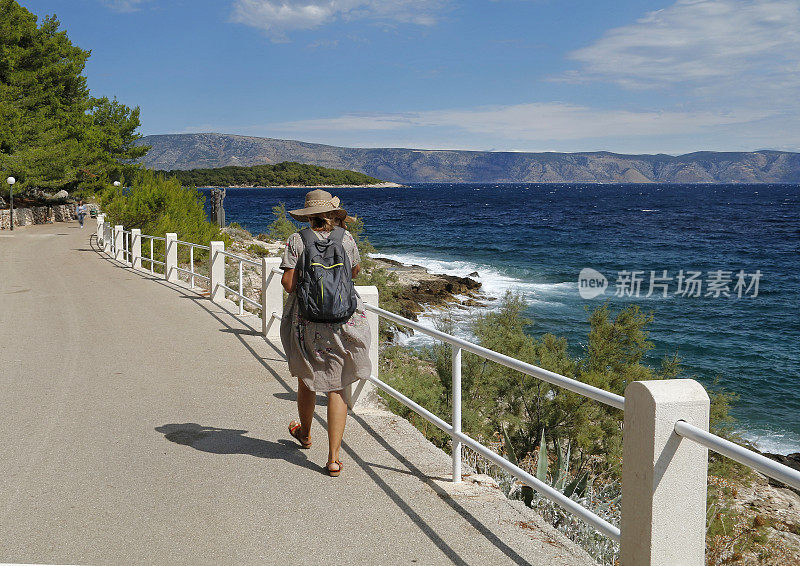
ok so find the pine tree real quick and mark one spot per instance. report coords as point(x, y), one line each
point(52, 132)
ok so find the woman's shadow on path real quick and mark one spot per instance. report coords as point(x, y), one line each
point(231, 441)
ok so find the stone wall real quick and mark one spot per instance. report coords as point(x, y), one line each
point(37, 215)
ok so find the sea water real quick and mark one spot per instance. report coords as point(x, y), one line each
point(739, 243)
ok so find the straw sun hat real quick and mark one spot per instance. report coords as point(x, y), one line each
point(317, 202)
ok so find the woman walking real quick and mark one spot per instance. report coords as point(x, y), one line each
point(327, 356)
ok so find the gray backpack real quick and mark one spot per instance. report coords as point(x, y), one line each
point(325, 290)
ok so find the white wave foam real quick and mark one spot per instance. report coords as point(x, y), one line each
point(494, 282)
point(773, 441)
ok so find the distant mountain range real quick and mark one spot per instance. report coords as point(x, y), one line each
point(193, 151)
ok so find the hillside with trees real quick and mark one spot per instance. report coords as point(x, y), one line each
point(401, 165)
point(283, 174)
point(53, 133)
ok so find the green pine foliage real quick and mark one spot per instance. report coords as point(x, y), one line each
point(53, 133)
point(283, 174)
point(157, 205)
point(282, 227)
point(499, 402)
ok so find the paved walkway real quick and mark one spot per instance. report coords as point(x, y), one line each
point(143, 424)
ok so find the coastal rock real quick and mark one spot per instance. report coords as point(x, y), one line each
point(436, 290)
point(790, 460)
point(472, 303)
point(775, 507)
point(421, 288)
point(473, 274)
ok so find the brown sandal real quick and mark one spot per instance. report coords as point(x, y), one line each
point(294, 430)
point(334, 473)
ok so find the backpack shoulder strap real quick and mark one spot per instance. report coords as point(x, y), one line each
point(337, 235)
point(308, 236)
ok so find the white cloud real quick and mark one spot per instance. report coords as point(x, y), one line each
point(545, 126)
point(124, 5)
point(532, 122)
point(730, 70)
point(276, 17)
point(709, 45)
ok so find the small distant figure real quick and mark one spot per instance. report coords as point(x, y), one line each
point(81, 212)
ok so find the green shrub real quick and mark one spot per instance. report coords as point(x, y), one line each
point(257, 250)
point(282, 227)
point(156, 206)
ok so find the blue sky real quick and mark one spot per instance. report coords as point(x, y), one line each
point(508, 75)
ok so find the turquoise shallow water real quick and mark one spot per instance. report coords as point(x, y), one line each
point(535, 239)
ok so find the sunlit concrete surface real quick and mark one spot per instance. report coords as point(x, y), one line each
point(141, 423)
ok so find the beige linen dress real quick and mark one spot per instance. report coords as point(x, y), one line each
point(327, 357)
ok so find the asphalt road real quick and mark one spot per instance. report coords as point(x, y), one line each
point(142, 424)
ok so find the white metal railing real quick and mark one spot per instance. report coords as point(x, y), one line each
point(152, 259)
point(240, 293)
point(193, 275)
point(664, 479)
point(458, 438)
point(126, 246)
point(766, 466)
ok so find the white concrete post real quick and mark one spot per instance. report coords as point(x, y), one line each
point(216, 271)
point(271, 298)
point(369, 294)
point(171, 256)
point(100, 228)
point(118, 244)
point(107, 237)
point(136, 248)
point(663, 475)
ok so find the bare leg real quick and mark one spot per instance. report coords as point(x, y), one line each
point(337, 416)
point(306, 399)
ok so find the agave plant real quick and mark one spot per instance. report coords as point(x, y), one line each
point(601, 496)
point(577, 486)
point(527, 491)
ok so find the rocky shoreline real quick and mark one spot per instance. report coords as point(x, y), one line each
point(421, 288)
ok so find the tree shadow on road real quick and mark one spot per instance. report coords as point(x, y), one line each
point(232, 441)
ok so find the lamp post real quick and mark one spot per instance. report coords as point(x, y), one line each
point(11, 181)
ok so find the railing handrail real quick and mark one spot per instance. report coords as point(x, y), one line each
point(766, 466)
point(190, 272)
point(241, 296)
point(601, 395)
point(240, 258)
point(201, 246)
point(547, 491)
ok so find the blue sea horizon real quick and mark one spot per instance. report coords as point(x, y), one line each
point(738, 243)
